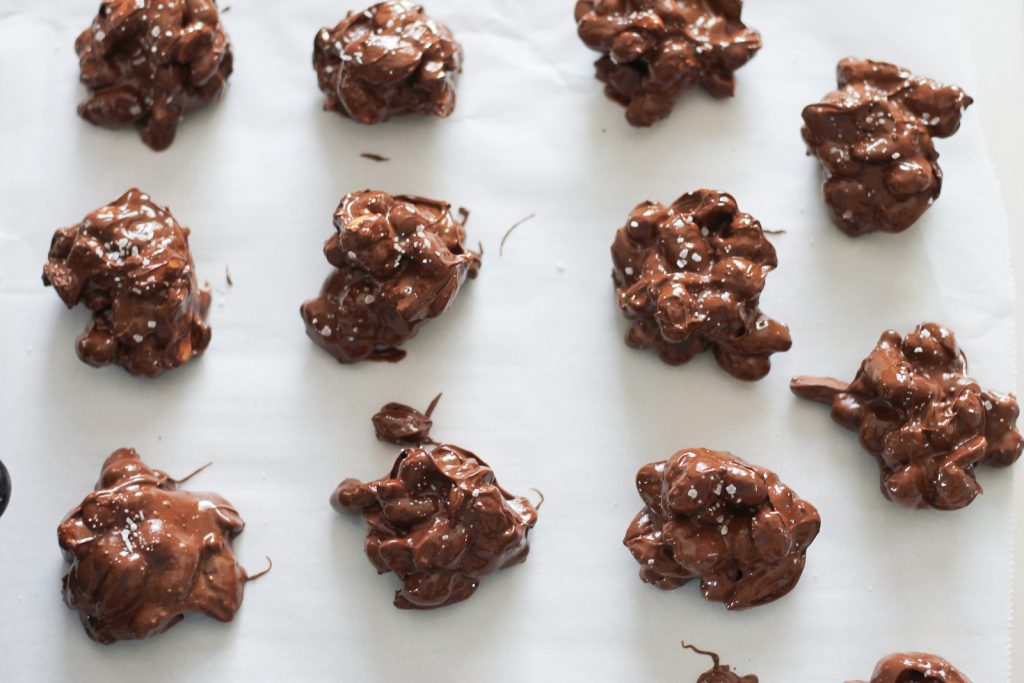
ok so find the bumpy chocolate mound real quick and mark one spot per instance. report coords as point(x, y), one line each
point(928, 423)
point(654, 50)
point(710, 515)
point(719, 673)
point(143, 554)
point(5, 488)
point(440, 522)
point(874, 138)
point(689, 278)
point(130, 264)
point(390, 59)
point(149, 62)
point(402, 424)
point(400, 261)
point(915, 667)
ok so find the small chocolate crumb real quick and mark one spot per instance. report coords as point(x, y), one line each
point(227, 276)
point(464, 215)
point(501, 247)
point(260, 575)
point(374, 157)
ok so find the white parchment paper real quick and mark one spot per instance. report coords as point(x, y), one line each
point(531, 360)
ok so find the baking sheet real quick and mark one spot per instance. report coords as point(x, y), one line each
point(536, 377)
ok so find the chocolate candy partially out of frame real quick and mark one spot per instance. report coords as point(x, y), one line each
point(130, 264)
point(149, 62)
point(927, 423)
point(689, 277)
point(654, 50)
point(389, 59)
point(709, 515)
point(874, 137)
point(915, 667)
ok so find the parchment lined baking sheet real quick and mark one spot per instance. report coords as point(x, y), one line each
point(535, 375)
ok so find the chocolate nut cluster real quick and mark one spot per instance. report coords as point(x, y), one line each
point(143, 554)
point(654, 50)
point(689, 278)
point(915, 667)
point(5, 488)
point(709, 515)
point(874, 137)
point(149, 62)
point(399, 262)
point(927, 423)
point(130, 264)
point(402, 424)
point(719, 673)
point(389, 59)
point(440, 522)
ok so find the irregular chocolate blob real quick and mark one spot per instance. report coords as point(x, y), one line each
point(389, 59)
point(440, 522)
point(873, 137)
point(143, 554)
point(926, 422)
point(709, 515)
point(915, 667)
point(689, 278)
point(5, 488)
point(654, 50)
point(130, 264)
point(148, 62)
point(719, 673)
point(400, 261)
point(402, 424)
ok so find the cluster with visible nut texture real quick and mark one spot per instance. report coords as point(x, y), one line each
point(149, 62)
point(143, 554)
point(709, 515)
point(441, 522)
point(654, 50)
point(399, 262)
point(927, 423)
point(874, 139)
point(130, 264)
point(689, 278)
point(915, 667)
point(389, 59)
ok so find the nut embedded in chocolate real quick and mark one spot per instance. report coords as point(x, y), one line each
point(389, 59)
point(689, 278)
point(402, 424)
point(709, 515)
point(440, 522)
point(915, 667)
point(874, 139)
point(149, 62)
point(927, 423)
point(130, 264)
point(143, 554)
point(400, 261)
point(654, 50)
